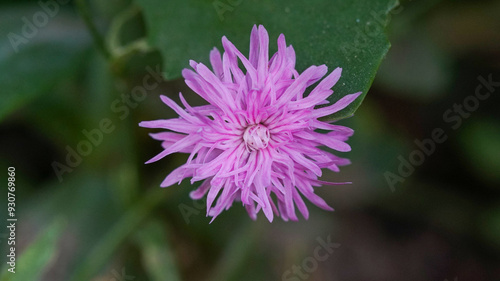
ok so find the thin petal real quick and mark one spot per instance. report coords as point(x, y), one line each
point(216, 61)
point(339, 105)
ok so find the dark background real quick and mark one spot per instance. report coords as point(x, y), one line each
point(438, 220)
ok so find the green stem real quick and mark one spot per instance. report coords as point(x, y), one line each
point(118, 22)
point(119, 232)
point(84, 11)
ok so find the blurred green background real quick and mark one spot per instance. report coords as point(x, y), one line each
point(74, 84)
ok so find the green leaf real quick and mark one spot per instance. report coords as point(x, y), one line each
point(157, 256)
point(32, 262)
point(33, 59)
point(347, 34)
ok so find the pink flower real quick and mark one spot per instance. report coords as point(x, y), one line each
point(256, 137)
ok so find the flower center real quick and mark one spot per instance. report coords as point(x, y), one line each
point(256, 137)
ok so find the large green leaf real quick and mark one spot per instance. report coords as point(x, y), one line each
point(35, 57)
point(347, 34)
point(39, 254)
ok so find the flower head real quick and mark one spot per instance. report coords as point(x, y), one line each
point(256, 138)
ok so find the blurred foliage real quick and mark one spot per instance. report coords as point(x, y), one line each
point(31, 65)
point(70, 94)
point(480, 141)
point(38, 255)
